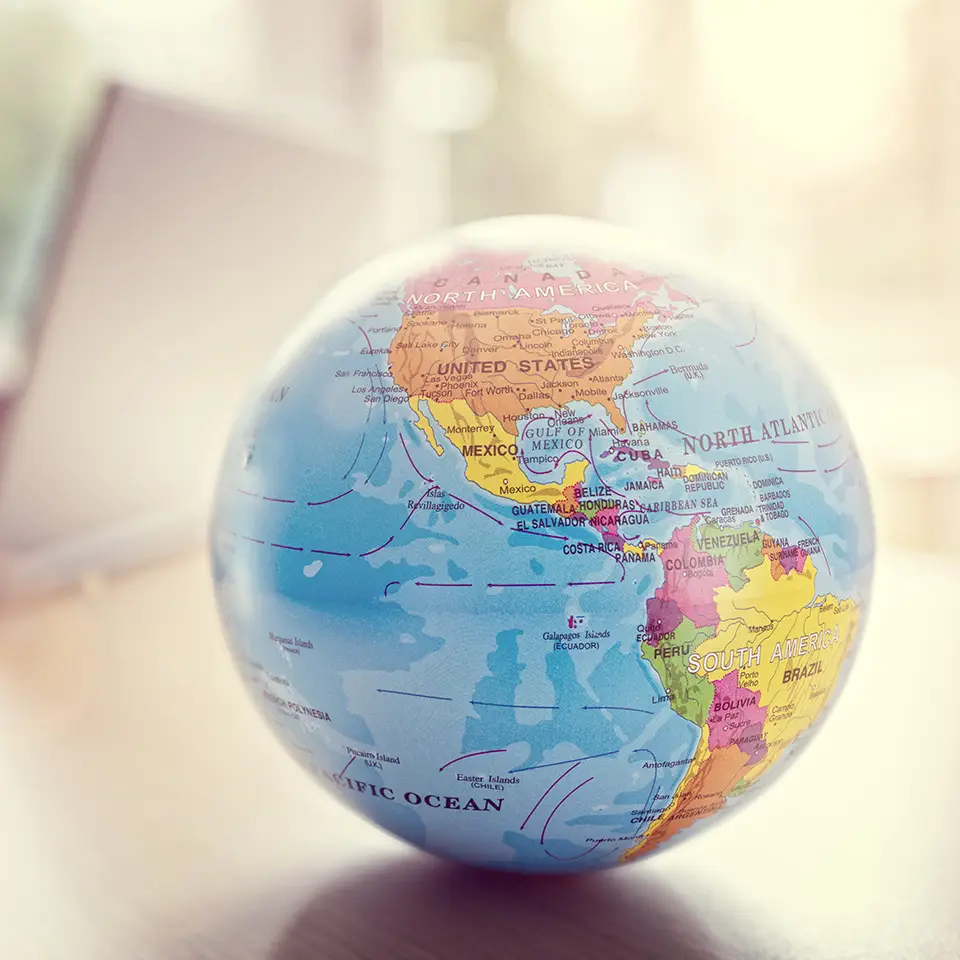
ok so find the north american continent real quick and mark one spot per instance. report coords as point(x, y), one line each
point(490, 455)
point(510, 361)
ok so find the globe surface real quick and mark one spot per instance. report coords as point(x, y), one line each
point(539, 558)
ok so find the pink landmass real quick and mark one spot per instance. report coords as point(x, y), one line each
point(691, 577)
point(605, 521)
point(783, 559)
point(663, 306)
point(601, 290)
point(736, 717)
point(793, 558)
point(663, 617)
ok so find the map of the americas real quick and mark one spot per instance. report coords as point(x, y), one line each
point(543, 560)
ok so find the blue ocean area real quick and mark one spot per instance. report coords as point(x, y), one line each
point(379, 602)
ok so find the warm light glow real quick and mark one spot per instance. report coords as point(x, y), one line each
point(903, 401)
point(814, 86)
point(596, 53)
point(206, 49)
point(655, 194)
point(445, 95)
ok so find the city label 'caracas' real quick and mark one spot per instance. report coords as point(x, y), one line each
point(539, 558)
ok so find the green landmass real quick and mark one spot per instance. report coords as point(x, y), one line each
point(737, 558)
point(739, 787)
point(691, 695)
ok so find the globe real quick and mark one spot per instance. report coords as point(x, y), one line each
point(537, 555)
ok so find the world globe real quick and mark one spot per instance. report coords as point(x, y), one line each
point(537, 555)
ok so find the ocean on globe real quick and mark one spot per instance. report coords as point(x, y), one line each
point(536, 555)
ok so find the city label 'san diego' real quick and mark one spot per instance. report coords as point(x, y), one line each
point(541, 559)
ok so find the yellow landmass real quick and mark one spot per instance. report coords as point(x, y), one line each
point(813, 640)
point(641, 547)
point(688, 470)
point(763, 600)
point(423, 424)
point(786, 646)
point(499, 472)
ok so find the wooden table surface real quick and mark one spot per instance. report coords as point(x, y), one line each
point(145, 812)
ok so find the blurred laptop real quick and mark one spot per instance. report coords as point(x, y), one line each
point(190, 245)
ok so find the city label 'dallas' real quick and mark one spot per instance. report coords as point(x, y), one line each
point(448, 337)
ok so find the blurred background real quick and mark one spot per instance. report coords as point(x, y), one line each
point(181, 179)
point(813, 159)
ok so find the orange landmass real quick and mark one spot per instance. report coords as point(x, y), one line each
point(508, 361)
point(568, 505)
point(774, 554)
point(701, 796)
